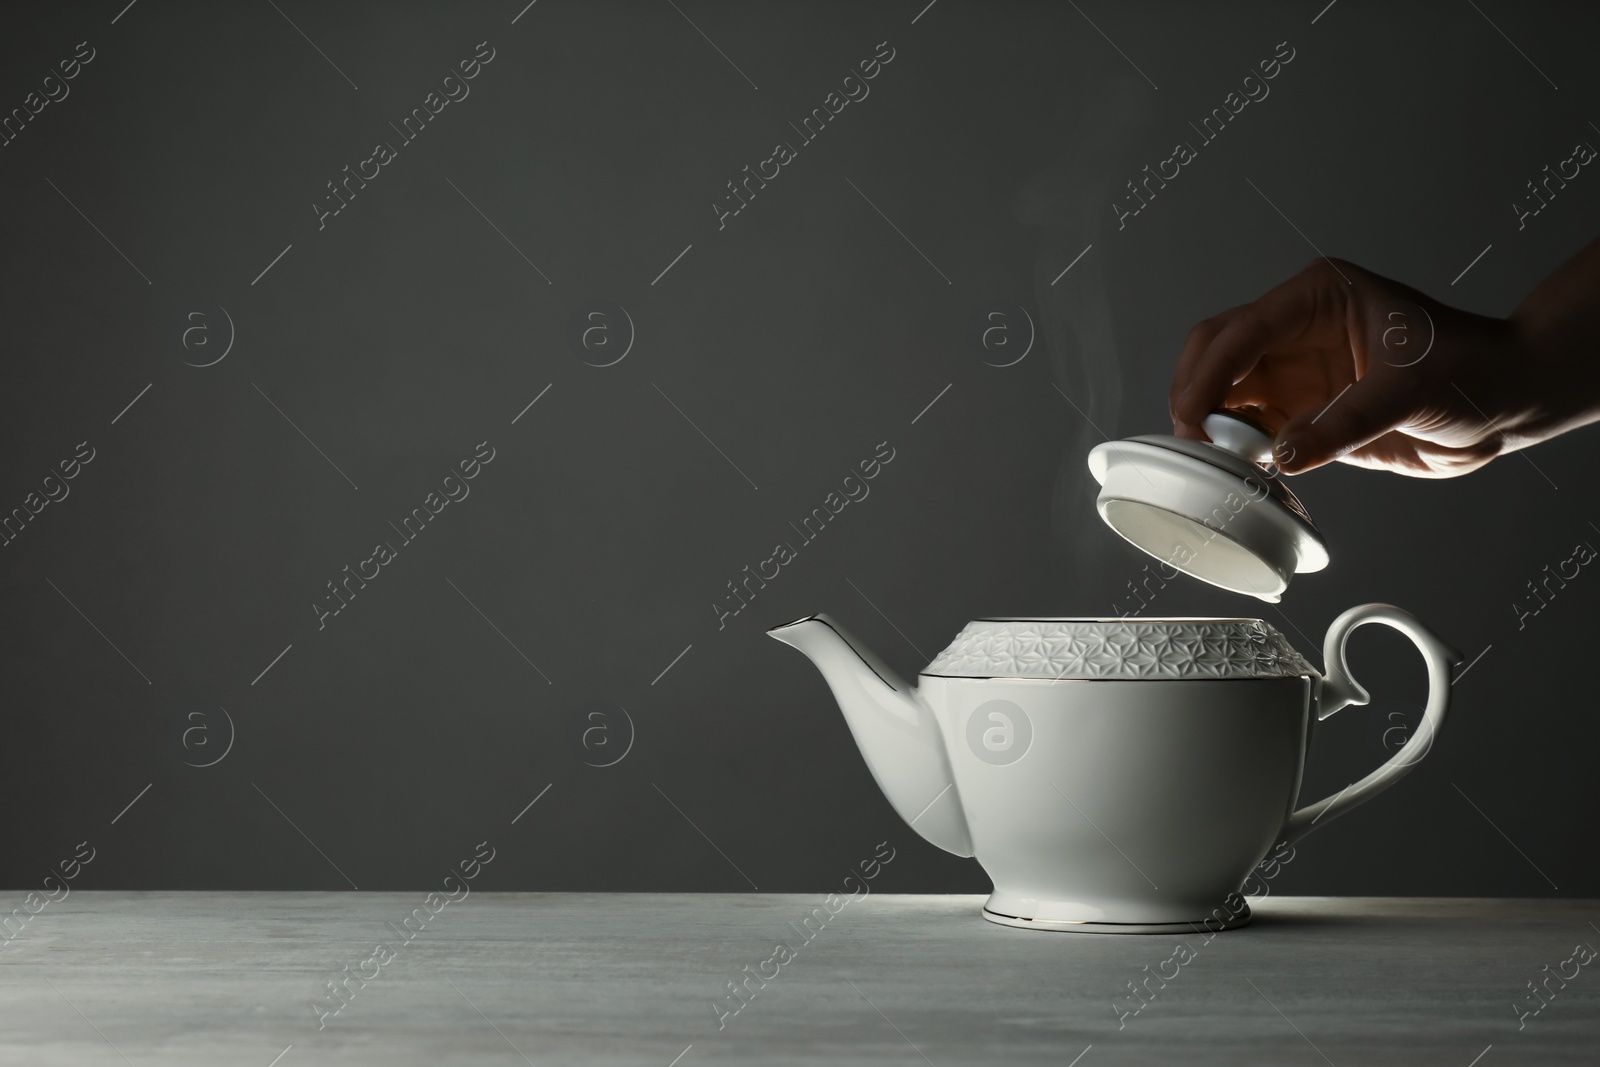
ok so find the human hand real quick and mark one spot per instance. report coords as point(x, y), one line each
point(1343, 364)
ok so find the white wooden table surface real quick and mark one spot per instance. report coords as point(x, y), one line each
point(176, 978)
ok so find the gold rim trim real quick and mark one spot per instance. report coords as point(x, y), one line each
point(1242, 917)
point(1115, 618)
point(1146, 678)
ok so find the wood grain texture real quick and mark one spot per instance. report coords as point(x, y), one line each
point(228, 978)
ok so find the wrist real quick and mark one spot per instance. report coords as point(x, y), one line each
point(1554, 363)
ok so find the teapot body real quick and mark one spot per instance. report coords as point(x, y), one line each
point(1128, 805)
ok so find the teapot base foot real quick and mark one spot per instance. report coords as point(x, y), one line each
point(1204, 924)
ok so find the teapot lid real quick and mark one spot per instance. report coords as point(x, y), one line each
point(1209, 508)
point(1129, 648)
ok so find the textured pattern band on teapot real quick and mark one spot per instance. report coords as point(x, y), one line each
point(1119, 648)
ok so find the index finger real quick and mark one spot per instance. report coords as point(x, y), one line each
point(1200, 336)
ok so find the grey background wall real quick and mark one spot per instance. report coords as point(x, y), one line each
point(160, 617)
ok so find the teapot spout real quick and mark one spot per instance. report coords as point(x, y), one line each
point(895, 730)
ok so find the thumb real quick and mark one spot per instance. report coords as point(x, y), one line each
point(1366, 410)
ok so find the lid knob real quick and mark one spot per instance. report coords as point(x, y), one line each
point(1239, 436)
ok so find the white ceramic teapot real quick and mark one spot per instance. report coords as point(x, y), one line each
point(1112, 775)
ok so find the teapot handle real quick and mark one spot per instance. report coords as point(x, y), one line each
point(1338, 690)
